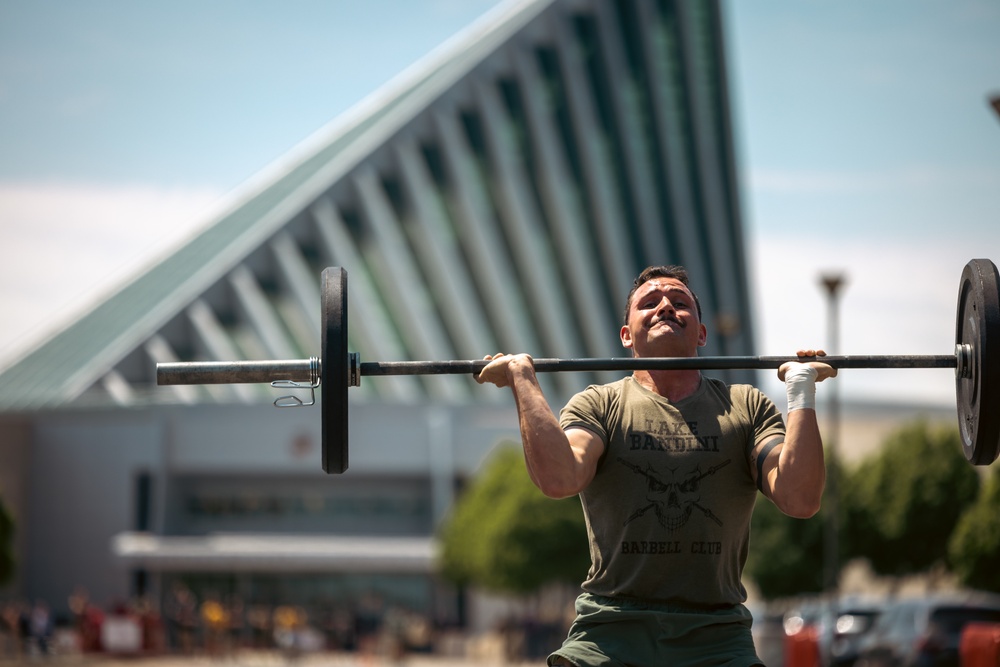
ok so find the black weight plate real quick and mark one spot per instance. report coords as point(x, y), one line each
point(978, 395)
point(334, 371)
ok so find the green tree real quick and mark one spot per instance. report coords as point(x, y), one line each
point(786, 554)
point(902, 504)
point(974, 548)
point(505, 535)
point(7, 564)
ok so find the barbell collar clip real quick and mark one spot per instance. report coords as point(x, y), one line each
point(292, 401)
point(353, 369)
point(963, 355)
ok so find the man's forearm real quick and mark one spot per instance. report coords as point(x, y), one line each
point(552, 463)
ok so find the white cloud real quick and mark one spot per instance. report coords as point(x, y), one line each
point(900, 298)
point(64, 247)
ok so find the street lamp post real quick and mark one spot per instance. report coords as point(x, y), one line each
point(832, 283)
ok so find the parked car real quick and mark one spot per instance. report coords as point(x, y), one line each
point(838, 627)
point(852, 624)
point(926, 631)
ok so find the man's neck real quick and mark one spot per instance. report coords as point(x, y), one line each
point(672, 385)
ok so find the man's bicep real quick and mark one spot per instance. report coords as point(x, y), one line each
point(588, 448)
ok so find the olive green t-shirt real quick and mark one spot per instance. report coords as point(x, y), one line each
point(668, 511)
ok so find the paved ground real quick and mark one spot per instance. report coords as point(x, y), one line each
point(253, 659)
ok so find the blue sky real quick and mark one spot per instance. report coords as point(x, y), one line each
point(865, 140)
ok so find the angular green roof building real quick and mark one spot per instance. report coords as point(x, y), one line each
point(499, 195)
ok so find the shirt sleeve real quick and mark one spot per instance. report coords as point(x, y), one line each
point(587, 409)
point(767, 421)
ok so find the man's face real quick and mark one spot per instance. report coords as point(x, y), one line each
point(663, 321)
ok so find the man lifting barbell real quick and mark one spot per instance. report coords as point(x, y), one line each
point(667, 464)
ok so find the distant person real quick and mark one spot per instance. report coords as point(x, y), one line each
point(40, 626)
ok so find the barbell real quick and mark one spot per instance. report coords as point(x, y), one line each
point(976, 364)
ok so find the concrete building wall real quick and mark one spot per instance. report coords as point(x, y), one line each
point(79, 486)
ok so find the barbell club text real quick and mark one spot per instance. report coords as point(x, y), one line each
point(666, 547)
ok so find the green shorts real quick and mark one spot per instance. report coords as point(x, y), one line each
point(624, 633)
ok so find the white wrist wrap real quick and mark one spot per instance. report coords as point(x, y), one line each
point(800, 385)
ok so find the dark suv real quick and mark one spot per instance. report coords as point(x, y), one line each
point(926, 631)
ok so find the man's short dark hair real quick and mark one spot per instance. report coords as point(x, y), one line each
point(668, 271)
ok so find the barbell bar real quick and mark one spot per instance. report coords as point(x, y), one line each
point(975, 360)
point(305, 370)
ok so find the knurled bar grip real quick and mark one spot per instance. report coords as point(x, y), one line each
point(305, 370)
